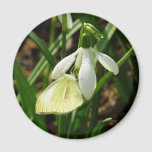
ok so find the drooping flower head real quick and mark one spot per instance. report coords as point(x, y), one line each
point(84, 58)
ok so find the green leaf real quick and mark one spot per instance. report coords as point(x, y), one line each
point(52, 30)
point(43, 49)
point(46, 74)
point(95, 103)
point(98, 128)
point(122, 80)
point(107, 34)
point(64, 31)
point(27, 97)
point(132, 61)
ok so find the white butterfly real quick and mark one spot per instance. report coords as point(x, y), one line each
point(60, 97)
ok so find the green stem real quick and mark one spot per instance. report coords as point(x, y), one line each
point(73, 115)
point(47, 70)
point(61, 118)
point(60, 125)
point(52, 31)
point(64, 30)
point(95, 103)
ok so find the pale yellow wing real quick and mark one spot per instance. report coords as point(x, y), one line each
point(67, 95)
point(60, 97)
point(43, 103)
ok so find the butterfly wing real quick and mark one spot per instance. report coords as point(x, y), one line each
point(60, 97)
point(67, 95)
point(43, 104)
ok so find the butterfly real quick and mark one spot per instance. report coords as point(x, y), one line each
point(60, 97)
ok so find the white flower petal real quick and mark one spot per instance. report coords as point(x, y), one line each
point(107, 62)
point(63, 65)
point(87, 76)
point(69, 20)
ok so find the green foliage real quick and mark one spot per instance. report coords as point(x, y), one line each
point(83, 122)
point(98, 128)
point(43, 49)
point(27, 96)
point(107, 33)
point(64, 30)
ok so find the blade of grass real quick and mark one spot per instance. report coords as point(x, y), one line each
point(107, 33)
point(64, 30)
point(27, 96)
point(122, 80)
point(98, 128)
point(78, 124)
point(47, 70)
point(95, 104)
point(71, 123)
point(52, 30)
point(61, 118)
point(43, 49)
point(132, 61)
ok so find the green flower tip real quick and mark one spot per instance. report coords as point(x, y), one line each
point(86, 41)
point(90, 29)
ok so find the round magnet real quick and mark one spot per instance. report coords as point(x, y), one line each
point(75, 75)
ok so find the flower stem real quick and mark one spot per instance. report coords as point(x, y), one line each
point(61, 118)
point(73, 115)
point(64, 30)
point(52, 30)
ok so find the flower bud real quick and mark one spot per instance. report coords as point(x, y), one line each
point(90, 29)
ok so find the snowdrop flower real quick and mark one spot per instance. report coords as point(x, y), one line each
point(85, 62)
point(69, 20)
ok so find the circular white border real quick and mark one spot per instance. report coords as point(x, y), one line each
point(18, 18)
